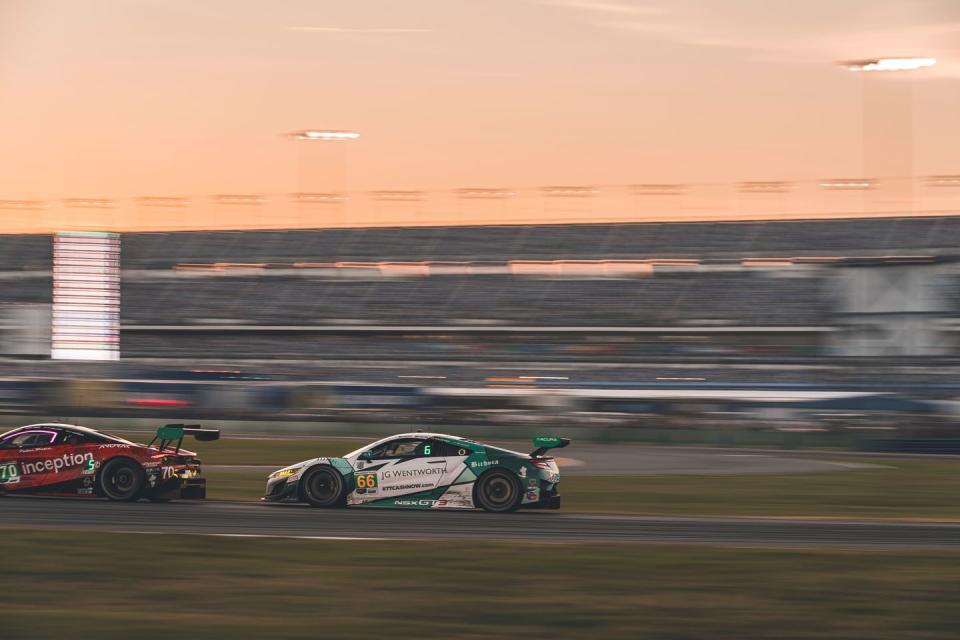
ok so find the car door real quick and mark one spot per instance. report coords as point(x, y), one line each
point(31, 449)
point(397, 468)
point(459, 486)
point(9, 464)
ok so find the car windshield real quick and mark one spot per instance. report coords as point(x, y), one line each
point(11, 438)
point(391, 447)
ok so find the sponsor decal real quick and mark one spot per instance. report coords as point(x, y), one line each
point(414, 503)
point(522, 472)
point(90, 468)
point(480, 464)
point(414, 473)
point(56, 465)
point(407, 487)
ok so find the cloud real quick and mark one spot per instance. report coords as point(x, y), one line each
point(807, 38)
point(367, 30)
point(601, 6)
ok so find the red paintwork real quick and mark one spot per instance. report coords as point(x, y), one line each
point(64, 469)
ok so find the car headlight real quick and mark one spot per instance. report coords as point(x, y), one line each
point(283, 473)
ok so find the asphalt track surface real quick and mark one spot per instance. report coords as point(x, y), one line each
point(251, 519)
point(640, 460)
point(627, 459)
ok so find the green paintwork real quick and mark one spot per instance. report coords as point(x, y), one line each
point(546, 441)
point(480, 459)
point(170, 433)
point(341, 465)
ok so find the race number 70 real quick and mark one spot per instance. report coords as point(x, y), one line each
point(9, 473)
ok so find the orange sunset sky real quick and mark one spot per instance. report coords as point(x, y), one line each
point(135, 97)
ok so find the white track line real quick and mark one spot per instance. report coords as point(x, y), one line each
point(255, 535)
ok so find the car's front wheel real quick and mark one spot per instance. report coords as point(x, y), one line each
point(498, 491)
point(324, 487)
point(122, 480)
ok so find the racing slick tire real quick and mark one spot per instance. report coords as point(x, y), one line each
point(121, 480)
point(324, 487)
point(498, 491)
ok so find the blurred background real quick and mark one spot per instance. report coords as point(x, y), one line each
point(665, 222)
point(633, 223)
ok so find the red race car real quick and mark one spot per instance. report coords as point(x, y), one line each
point(67, 460)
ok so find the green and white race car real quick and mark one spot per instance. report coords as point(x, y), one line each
point(425, 471)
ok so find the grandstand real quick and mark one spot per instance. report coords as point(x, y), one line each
point(700, 240)
point(749, 289)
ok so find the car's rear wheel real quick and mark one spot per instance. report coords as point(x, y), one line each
point(324, 487)
point(498, 491)
point(122, 480)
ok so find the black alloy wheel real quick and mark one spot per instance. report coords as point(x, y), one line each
point(324, 487)
point(498, 491)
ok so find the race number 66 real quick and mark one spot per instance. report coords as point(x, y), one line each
point(366, 481)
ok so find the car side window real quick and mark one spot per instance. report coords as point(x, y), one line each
point(28, 439)
point(403, 448)
point(440, 449)
point(72, 438)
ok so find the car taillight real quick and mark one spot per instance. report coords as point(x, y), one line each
point(541, 464)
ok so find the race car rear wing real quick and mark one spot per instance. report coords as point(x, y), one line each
point(170, 432)
point(545, 443)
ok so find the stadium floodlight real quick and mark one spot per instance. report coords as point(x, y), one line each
point(775, 186)
point(324, 135)
point(318, 198)
point(569, 192)
point(484, 194)
point(847, 184)
point(90, 203)
point(943, 181)
point(658, 189)
point(163, 201)
point(228, 198)
point(398, 196)
point(22, 204)
point(889, 64)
